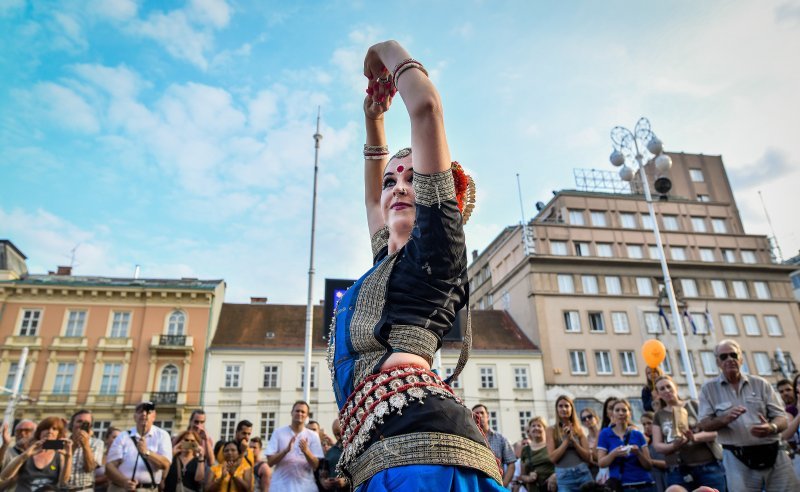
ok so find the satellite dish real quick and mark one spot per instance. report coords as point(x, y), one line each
point(539, 206)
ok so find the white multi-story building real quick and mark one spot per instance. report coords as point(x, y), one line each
point(255, 370)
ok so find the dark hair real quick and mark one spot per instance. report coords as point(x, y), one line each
point(623, 401)
point(189, 433)
point(258, 440)
point(198, 411)
point(312, 422)
point(243, 423)
point(110, 430)
point(480, 405)
point(47, 424)
point(606, 417)
point(82, 411)
point(303, 402)
point(235, 444)
point(783, 382)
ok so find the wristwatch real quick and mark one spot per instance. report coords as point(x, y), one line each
point(147, 454)
point(774, 428)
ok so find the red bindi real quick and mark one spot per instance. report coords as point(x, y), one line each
point(400, 169)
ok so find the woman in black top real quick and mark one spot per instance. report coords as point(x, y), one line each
point(188, 466)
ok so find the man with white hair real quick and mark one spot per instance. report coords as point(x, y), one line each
point(748, 416)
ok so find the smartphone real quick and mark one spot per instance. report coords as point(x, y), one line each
point(53, 444)
point(86, 427)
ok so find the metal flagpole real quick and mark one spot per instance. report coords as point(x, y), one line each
point(310, 305)
point(13, 399)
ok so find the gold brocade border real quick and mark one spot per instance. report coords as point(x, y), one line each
point(379, 240)
point(434, 188)
point(415, 340)
point(424, 448)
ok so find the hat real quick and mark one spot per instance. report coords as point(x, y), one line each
point(146, 405)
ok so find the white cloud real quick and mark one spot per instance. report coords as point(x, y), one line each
point(64, 107)
point(69, 34)
point(263, 110)
point(118, 10)
point(11, 7)
point(174, 31)
point(120, 82)
point(216, 13)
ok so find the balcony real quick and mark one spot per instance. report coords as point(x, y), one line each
point(172, 344)
point(164, 398)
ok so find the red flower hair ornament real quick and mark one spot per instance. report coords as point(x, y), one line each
point(465, 190)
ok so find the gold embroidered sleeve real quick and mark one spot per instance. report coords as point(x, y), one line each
point(379, 240)
point(434, 188)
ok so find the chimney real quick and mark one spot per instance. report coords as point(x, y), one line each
point(258, 300)
point(474, 254)
point(64, 270)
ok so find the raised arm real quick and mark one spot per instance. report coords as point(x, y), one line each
point(422, 101)
point(376, 153)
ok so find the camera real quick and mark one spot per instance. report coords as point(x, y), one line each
point(85, 427)
point(53, 444)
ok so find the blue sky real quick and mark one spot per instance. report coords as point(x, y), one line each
point(177, 135)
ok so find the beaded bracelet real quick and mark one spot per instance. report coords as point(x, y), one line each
point(405, 65)
point(375, 152)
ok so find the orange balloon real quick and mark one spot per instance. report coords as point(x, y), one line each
point(653, 352)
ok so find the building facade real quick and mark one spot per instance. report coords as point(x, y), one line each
point(588, 289)
point(255, 370)
point(104, 343)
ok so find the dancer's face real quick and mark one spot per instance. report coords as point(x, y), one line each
point(397, 197)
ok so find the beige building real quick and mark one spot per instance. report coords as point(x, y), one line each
point(255, 370)
point(588, 289)
point(104, 343)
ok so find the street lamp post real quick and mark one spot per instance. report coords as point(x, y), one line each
point(632, 146)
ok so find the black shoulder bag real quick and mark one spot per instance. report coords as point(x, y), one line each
point(146, 463)
point(615, 484)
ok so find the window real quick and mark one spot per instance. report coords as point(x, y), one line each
point(729, 255)
point(525, 416)
point(644, 285)
point(30, 322)
point(572, 321)
point(589, 283)
point(745, 367)
point(605, 250)
point(12, 375)
point(653, 322)
point(653, 251)
point(169, 379)
point(620, 321)
point(565, 284)
point(613, 286)
point(707, 254)
point(689, 287)
point(666, 365)
point(719, 226)
point(678, 253)
point(703, 198)
point(719, 288)
point(268, 423)
point(487, 377)
point(602, 360)
point(448, 371)
point(596, 322)
point(558, 248)
point(521, 378)
point(699, 323)
point(227, 428)
point(763, 364)
point(627, 360)
point(628, 220)
point(647, 221)
point(577, 361)
point(100, 427)
point(582, 249)
point(599, 219)
point(576, 217)
point(762, 290)
point(751, 327)
point(165, 425)
point(740, 289)
point(233, 374)
point(271, 374)
point(681, 367)
point(670, 222)
point(76, 321)
point(493, 421)
point(774, 328)
point(709, 362)
point(635, 251)
point(65, 371)
point(119, 325)
point(302, 383)
point(696, 175)
point(748, 256)
point(729, 324)
point(177, 321)
point(109, 384)
point(699, 224)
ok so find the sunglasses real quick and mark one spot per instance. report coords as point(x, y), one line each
point(586, 418)
point(726, 355)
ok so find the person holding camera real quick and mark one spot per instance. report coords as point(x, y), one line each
point(87, 452)
point(47, 461)
point(139, 456)
point(188, 469)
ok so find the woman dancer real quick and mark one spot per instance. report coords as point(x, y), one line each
point(537, 473)
point(690, 455)
point(623, 449)
point(568, 448)
point(403, 428)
